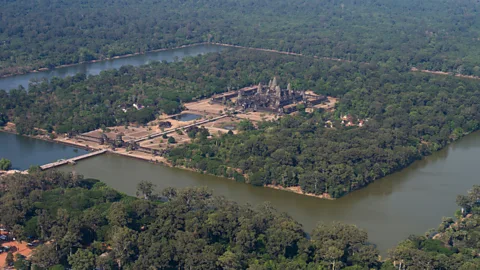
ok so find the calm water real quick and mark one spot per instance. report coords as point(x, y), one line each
point(24, 151)
point(95, 68)
point(184, 117)
point(408, 202)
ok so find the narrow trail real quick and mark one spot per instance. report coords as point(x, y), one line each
point(414, 69)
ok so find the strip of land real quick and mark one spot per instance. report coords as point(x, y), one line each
point(218, 115)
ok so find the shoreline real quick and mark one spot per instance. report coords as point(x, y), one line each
point(38, 137)
point(175, 48)
point(412, 69)
point(298, 190)
point(104, 59)
point(158, 161)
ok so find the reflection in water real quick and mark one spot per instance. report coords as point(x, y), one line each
point(408, 202)
point(24, 151)
point(95, 68)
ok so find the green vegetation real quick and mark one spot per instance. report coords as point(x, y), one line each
point(409, 115)
point(9, 259)
point(5, 164)
point(82, 224)
point(3, 119)
point(439, 35)
point(171, 140)
point(454, 245)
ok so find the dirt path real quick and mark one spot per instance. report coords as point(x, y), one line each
point(414, 69)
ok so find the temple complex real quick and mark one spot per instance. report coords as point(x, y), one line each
point(271, 98)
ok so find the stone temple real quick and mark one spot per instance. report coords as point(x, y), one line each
point(271, 98)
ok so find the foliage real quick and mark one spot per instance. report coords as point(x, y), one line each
point(406, 116)
point(454, 245)
point(171, 140)
point(3, 119)
point(9, 259)
point(440, 35)
point(5, 164)
point(84, 224)
point(82, 260)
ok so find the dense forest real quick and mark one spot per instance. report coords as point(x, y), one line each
point(432, 34)
point(409, 115)
point(83, 224)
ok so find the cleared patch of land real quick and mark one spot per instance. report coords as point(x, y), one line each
point(204, 106)
point(257, 116)
point(16, 248)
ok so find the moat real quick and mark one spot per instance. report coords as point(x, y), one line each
point(408, 202)
point(9, 83)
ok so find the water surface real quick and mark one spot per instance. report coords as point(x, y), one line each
point(408, 202)
point(9, 83)
point(23, 151)
point(404, 203)
point(185, 117)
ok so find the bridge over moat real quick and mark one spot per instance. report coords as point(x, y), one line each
point(71, 160)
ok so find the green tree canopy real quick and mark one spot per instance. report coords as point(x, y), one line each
point(5, 164)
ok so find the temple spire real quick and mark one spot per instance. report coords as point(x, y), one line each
point(278, 91)
point(259, 88)
point(274, 83)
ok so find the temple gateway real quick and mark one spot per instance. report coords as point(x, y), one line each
point(271, 98)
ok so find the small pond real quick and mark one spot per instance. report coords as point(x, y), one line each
point(185, 117)
point(229, 127)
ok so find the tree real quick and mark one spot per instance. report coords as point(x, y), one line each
point(245, 125)
point(229, 260)
point(145, 188)
point(118, 215)
point(105, 263)
point(9, 259)
point(5, 164)
point(34, 169)
point(123, 242)
point(3, 119)
point(469, 201)
point(171, 140)
point(82, 260)
point(21, 263)
point(45, 256)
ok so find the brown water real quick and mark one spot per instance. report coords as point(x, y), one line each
point(408, 202)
